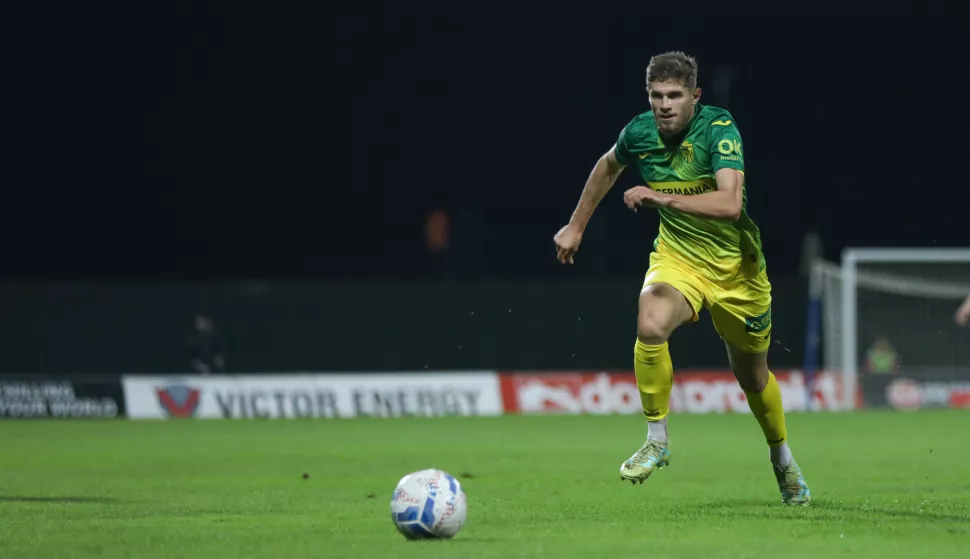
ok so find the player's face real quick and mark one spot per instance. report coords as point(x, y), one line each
point(673, 105)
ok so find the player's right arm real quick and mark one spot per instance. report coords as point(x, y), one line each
point(601, 179)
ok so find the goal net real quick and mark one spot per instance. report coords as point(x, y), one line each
point(883, 322)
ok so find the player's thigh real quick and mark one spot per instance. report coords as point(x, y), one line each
point(670, 297)
point(742, 317)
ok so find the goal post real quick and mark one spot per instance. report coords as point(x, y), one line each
point(907, 294)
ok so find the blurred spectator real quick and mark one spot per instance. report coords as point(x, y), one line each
point(205, 349)
point(437, 240)
point(881, 357)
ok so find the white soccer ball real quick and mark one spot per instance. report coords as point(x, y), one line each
point(428, 504)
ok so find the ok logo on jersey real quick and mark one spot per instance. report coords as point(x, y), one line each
point(729, 146)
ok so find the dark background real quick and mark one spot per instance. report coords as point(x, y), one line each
point(229, 141)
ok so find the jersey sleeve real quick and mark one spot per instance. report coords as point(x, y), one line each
point(623, 145)
point(727, 150)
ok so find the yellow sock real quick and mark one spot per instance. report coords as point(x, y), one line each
point(655, 378)
point(769, 411)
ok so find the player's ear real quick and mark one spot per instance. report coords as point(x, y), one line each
point(697, 95)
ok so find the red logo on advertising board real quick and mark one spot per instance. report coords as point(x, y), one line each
point(904, 394)
point(178, 401)
point(960, 399)
point(617, 392)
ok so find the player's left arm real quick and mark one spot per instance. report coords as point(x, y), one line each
point(727, 160)
point(723, 203)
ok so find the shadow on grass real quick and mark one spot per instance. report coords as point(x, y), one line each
point(818, 509)
point(459, 539)
point(34, 499)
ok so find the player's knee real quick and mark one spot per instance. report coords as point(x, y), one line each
point(754, 385)
point(753, 379)
point(651, 330)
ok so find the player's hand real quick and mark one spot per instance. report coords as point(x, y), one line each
point(567, 243)
point(963, 315)
point(643, 196)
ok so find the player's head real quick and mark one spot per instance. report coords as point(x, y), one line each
point(672, 86)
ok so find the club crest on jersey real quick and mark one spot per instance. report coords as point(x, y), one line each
point(687, 151)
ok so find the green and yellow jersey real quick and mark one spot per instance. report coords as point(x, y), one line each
point(720, 250)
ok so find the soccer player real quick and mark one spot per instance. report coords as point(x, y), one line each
point(963, 313)
point(707, 256)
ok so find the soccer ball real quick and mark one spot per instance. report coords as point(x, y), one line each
point(428, 504)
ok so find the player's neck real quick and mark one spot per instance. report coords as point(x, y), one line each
point(671, 139)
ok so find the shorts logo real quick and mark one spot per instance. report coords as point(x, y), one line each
point(178, 401)
point(758, 323)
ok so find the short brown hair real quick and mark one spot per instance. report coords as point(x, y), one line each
point(673, 65)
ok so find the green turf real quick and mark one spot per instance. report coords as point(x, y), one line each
point(885, 485)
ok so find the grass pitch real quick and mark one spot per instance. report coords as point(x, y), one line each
point(885, 485)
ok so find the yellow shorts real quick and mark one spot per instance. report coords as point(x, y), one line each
point(741, 310)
